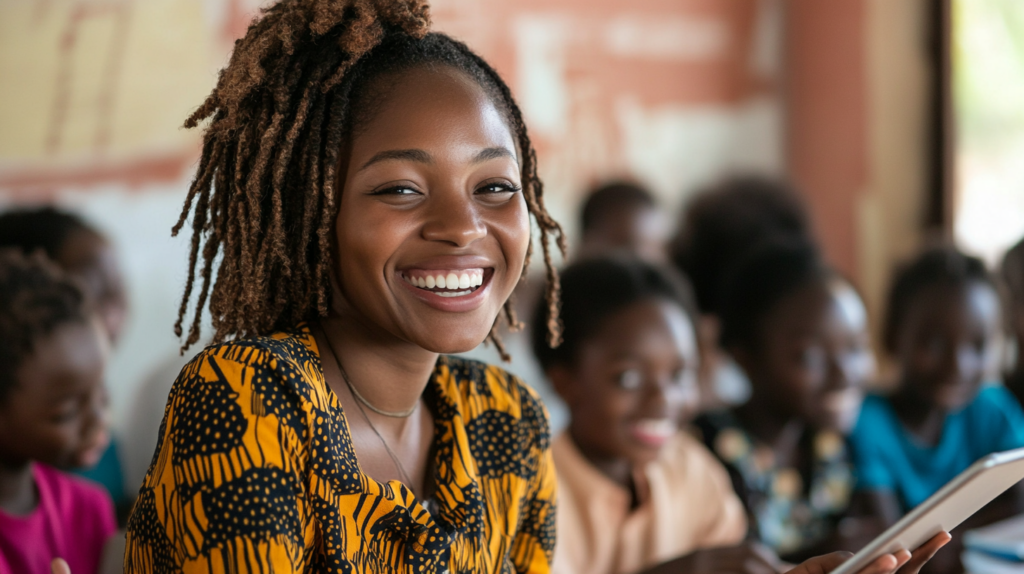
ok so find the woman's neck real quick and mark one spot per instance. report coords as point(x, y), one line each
point(17, 488)
point(388, 373)
point(923, 419)
point(780, 433)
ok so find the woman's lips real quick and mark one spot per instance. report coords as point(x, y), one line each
point(451, 290)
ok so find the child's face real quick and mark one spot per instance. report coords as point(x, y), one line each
point(633, 384)
point(56, 412)
point(639, 230)
point(814, 356)
point(945, 344)
point(91, 259)
point(431, 191)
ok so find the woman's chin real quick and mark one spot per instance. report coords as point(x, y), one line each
point(453, 345)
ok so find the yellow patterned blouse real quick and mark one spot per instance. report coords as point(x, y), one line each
point(255, 472)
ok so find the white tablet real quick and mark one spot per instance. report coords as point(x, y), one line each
point(946, 509)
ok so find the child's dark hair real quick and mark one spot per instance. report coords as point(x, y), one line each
point(593, 289)
point(46, 229)
point(942, 264)
point(264, 198)
point(611, 199)
point(722, 223)
point(1012, 271)
point(35, 299)
point(764, 277)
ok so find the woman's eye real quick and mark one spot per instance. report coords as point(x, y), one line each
point(498, 187)
point(629, 379)
point(399, 190)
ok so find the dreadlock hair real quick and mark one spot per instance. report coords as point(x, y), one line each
point(264, 197)
point(937, 265)
point(35, 299)
point(47, 229)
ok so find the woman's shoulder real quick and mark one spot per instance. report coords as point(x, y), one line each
point(288, 356)
point(499, 389)
point(294, 345)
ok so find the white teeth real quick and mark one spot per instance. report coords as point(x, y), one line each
point(451, 280)
point(455, 293)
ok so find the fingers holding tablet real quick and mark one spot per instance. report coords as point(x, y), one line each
point(922, 555)
point(902, 561)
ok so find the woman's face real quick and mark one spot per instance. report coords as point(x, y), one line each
point(432, 230)
point(813, 358)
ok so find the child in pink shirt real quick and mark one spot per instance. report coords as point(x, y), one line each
point(52, 414)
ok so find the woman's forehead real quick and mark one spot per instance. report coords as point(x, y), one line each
point(438, 105)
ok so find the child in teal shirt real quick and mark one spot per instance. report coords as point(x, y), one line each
point(942, 326)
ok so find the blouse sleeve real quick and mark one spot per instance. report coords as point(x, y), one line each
point(534, 545)
point(224, 491)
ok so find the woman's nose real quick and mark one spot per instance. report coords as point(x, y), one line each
point(453, 218)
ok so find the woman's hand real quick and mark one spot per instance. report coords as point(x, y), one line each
point(903, 561)
point(59, 566)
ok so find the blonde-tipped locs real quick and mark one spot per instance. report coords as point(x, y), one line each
point(264, 198)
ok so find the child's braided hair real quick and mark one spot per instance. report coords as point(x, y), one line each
point(35, 298)
point(264, 198)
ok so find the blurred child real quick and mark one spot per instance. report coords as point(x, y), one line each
point(717, 228)
point(799, 332)
point(52, 415)
point(942, 327)
point(89, 258)
point(1013, 277)
point(621, 216)
point(634, 491)
point(80, 250)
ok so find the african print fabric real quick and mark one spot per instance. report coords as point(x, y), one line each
point(789, 509)
point(255, 471)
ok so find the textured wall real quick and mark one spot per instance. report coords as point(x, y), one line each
point(92, 94)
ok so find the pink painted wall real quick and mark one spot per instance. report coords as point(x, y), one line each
point(672, 92)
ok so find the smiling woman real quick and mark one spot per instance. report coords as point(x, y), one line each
point(367, 188)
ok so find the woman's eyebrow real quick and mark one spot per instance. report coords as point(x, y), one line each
point(420, 156)
point(493, 153)
point(416, 155)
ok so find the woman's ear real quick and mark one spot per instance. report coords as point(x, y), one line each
point(564, 382)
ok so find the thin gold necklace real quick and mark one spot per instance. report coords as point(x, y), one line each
point(359, 403)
